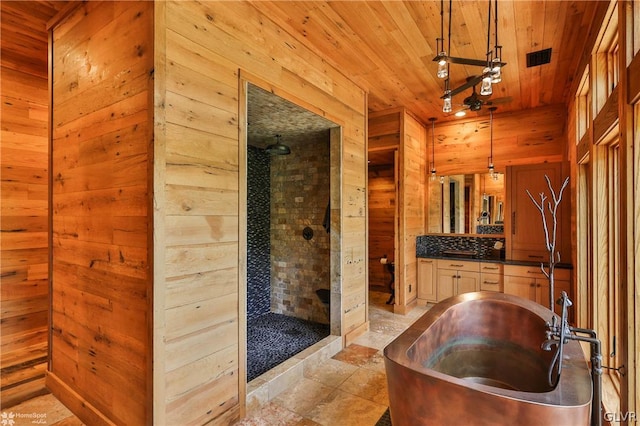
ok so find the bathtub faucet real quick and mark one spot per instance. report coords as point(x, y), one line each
point(558, 333)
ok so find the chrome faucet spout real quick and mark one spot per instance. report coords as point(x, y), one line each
point(547, 344)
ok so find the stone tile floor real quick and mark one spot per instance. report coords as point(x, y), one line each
point(348, 389)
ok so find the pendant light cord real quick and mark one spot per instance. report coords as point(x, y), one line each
point(491, 134)
point(488, 32)
point(449, 35)
point(496, 24)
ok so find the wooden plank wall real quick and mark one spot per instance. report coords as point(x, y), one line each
point(101, 282)
point(413, 170)
point(198, 357)
point(524, 137)
point(24, 160)
point(397, 129)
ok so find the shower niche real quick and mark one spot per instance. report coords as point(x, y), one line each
point(288, 229)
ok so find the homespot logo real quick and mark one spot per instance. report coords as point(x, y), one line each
point(629, 416)
point(17, 419)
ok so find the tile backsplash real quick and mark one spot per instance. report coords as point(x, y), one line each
point(437, 245)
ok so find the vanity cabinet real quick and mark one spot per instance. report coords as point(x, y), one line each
point(491, 276)
point(427, 279)
point(529, 282)
point(456, 277)
point(439, 279)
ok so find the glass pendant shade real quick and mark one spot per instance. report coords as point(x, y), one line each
point(443, 69)
point(485, 88)
point(446, 106)
point(496, 77)
point(433, 175)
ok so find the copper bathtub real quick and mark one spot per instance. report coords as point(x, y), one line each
point(476, 359)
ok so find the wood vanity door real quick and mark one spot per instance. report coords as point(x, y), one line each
point(468, 282)
point(446, 283)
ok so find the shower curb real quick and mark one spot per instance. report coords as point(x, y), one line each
point(263, 389)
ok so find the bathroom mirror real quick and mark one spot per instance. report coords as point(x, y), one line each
point(466, 204)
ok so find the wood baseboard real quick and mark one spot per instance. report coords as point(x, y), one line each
point(355, 333)
point(23, 392)
point(86, 412)
point(404, 309)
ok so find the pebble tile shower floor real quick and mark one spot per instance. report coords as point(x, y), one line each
point(274, 338)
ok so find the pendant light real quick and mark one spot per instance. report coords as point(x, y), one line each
point(433, 149)
point(443, 62)
point(492, 173)
point(485, 88)
point(491, 66)
point(496, 66)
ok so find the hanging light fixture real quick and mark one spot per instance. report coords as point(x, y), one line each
point(496, 67)
point(491, 66)
point(433, 149)
point(443, 63)
point(446, 100)
point(487, 74)
point(492, 173)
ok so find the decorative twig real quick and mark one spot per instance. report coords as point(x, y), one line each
point(550, 239)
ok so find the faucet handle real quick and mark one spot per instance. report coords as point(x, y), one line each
point(564, 300)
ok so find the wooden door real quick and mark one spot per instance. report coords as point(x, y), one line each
point(526, 229)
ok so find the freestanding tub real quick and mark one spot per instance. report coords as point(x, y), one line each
point(476, 359)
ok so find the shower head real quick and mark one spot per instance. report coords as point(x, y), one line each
point(278, 148)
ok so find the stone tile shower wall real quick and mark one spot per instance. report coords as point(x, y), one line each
point(300, 184)
point(258, 233)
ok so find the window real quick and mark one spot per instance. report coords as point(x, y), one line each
point(605, 247)
point(583, 112)
point(606, 71)
point(613, 177)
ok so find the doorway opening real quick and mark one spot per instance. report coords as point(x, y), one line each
point(382, 178)
point(288, 229)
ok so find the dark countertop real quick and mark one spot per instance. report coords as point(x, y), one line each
point(495, 260)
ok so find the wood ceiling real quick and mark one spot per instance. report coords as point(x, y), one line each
point(388, 47)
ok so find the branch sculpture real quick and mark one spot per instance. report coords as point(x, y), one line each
point(550, 235)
